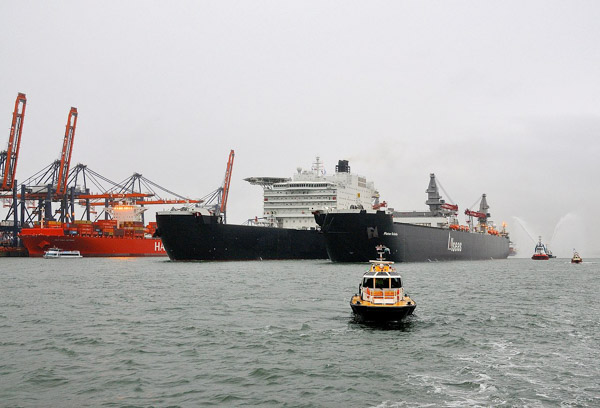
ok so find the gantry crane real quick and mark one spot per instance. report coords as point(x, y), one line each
point(128, 191)
point(56, 174)
point(59, 183)
point(54, 177)
point(65, 156)
point(9, 158)
point(8, 169)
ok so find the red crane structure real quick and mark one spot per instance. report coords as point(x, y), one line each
point(56, 175)
point(10, 157)
point(451, 207)
point(379, 206)
point(227, 183)
point(475, 214)
point(221, 194)
point(482, 215)
point(65, 156)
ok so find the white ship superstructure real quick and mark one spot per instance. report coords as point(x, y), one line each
point(126, 213)
point(289, 203)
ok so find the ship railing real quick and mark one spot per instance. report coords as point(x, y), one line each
point(383, 296)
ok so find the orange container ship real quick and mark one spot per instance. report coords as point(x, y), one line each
point(124, 235)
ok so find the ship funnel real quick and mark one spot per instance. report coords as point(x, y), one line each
point(342, 167)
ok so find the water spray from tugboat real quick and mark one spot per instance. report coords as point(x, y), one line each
point(566, 235)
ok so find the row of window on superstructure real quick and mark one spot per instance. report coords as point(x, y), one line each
point(298, 193)
point(295, 205)
point(296, 185)
point(272, 198)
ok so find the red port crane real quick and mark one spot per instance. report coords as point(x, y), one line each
point(227, 182)
point(67, 149)
point(8, 159)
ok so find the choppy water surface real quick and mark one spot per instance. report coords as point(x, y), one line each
point(149, 332)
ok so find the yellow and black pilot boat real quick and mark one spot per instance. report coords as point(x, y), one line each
point(381, 295)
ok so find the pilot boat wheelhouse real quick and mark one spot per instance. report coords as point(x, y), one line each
point(381, 295)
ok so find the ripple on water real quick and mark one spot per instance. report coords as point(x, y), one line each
point(45, 378)
point(142, 332)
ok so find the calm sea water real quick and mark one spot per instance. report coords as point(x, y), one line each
point(149, 332)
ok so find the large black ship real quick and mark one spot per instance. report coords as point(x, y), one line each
point(344, 227)
point(287, 229)
point(189, 235)
point(353, 235)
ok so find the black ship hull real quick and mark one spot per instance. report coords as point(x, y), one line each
point(353, 236)
point(190, 236)
point(381, 313)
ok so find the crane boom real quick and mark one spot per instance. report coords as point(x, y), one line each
point(147, 202)
point(227, 181)
point(475, 214)
point(448, 206)
point(10, 158)
point(67, 149)
point(114, 196)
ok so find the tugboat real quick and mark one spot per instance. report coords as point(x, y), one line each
point(539, 253)
point(576, 258)
point(380, 293)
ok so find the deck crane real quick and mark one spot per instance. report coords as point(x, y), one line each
point(445, 205)
point(226, 184)
point(377, 205)
point(482, 215)
point(438, 206)
point(221, 194)
point(451, 207)
point(9, 158)
point(475, 214)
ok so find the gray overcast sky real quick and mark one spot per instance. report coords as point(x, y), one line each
point(494, 97)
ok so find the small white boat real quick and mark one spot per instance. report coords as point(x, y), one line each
point(59, 253)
